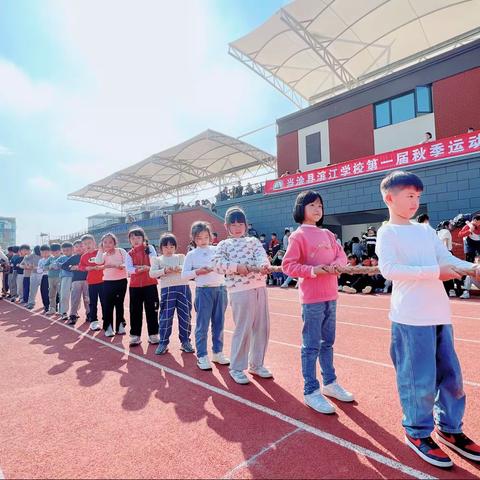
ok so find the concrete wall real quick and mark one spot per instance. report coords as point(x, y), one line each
point(451, 186)
point(404, 134)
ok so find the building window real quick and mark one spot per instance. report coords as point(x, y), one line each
point(313, 148)
point(403, 107)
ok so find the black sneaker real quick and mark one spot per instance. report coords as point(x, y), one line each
point(461, 444)
point(187, 347)
point(72, 320)
point(161, 349)
point(429, 451)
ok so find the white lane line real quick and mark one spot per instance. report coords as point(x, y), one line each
point(363, 325)
point(250, 461)
point(389, 462)
point(2, 476)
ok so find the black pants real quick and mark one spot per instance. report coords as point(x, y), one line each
point(140, 298)
point(5, 283)
point(114, 295)
point(44, 292)
point(95, 292)
point(26, 288)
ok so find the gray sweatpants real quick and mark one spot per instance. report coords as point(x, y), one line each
point(35, 282)
point(20, 286)
point(65, 287)
point(53, 289)
point(79, 290)
point(12, 283)
point(252, 328)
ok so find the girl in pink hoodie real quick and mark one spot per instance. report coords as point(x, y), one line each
point(312, 256)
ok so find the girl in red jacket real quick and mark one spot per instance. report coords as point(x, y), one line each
point(143, 290)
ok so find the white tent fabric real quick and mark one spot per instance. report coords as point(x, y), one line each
point(208, 159)
point(313, 49)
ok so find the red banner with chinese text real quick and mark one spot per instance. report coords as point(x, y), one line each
point(402, 158)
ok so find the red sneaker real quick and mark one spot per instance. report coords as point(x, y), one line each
point(461, 444)
point(429, 451)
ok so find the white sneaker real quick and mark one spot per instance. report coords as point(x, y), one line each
point(135, 340)
point(109, 332)
point(465, 294)
point(261, 372)
point(239, 377)
point(283, 285)
point(64, 317)
point(348, 289)
point(95, 326)
point(203, 363)
point(367, 289)
point(121, 329)
point(220, 358)
point(334, 390)
point(154, 339)
point(319, 403)
point(452, 293)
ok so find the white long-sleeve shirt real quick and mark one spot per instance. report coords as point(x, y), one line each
point(201, 257)
point(158, 266)
point(411, 256)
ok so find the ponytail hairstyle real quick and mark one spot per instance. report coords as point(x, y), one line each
point(199, 227)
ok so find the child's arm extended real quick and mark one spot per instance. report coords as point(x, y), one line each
point(391, 267)
point(446, 259)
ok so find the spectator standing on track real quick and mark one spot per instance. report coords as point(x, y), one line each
point(143, 290)
point(429, 377)
point(175, 295)
point(357, 247)
point(66, 277)
point(12, 277)
point(244, 262)
point(210, 296)
point(285, 239)
point(471, 233)
point(445, 236)
point(370, 240)
point(312, 256)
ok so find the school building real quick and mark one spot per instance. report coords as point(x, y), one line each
point(371, 110)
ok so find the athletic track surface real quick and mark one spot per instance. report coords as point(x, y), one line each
point(75, 404)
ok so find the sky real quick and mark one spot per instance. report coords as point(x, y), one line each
point(88, 87)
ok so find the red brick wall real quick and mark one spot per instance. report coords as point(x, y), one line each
point(456, 103)
point(351, 135)
point(287, 153)
point(182, 221)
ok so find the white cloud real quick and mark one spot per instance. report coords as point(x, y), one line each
point(5, 151)
point(41, 183)
point(20, 94)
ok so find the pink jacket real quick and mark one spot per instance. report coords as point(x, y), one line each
point(308, 247)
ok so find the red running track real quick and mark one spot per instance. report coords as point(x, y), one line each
point(78, 405)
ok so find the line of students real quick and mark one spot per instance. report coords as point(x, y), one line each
point(428, 372)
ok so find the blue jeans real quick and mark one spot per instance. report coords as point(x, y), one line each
point(429, 378)
point(210, 303)
point(318, 335)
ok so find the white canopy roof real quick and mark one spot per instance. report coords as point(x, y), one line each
point(206, 160)
point(313, 49)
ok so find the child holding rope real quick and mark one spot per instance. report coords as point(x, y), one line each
point(429, 377)
point(313, 255)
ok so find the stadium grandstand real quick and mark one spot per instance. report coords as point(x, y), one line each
point(377, 85)
point(152, 193)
